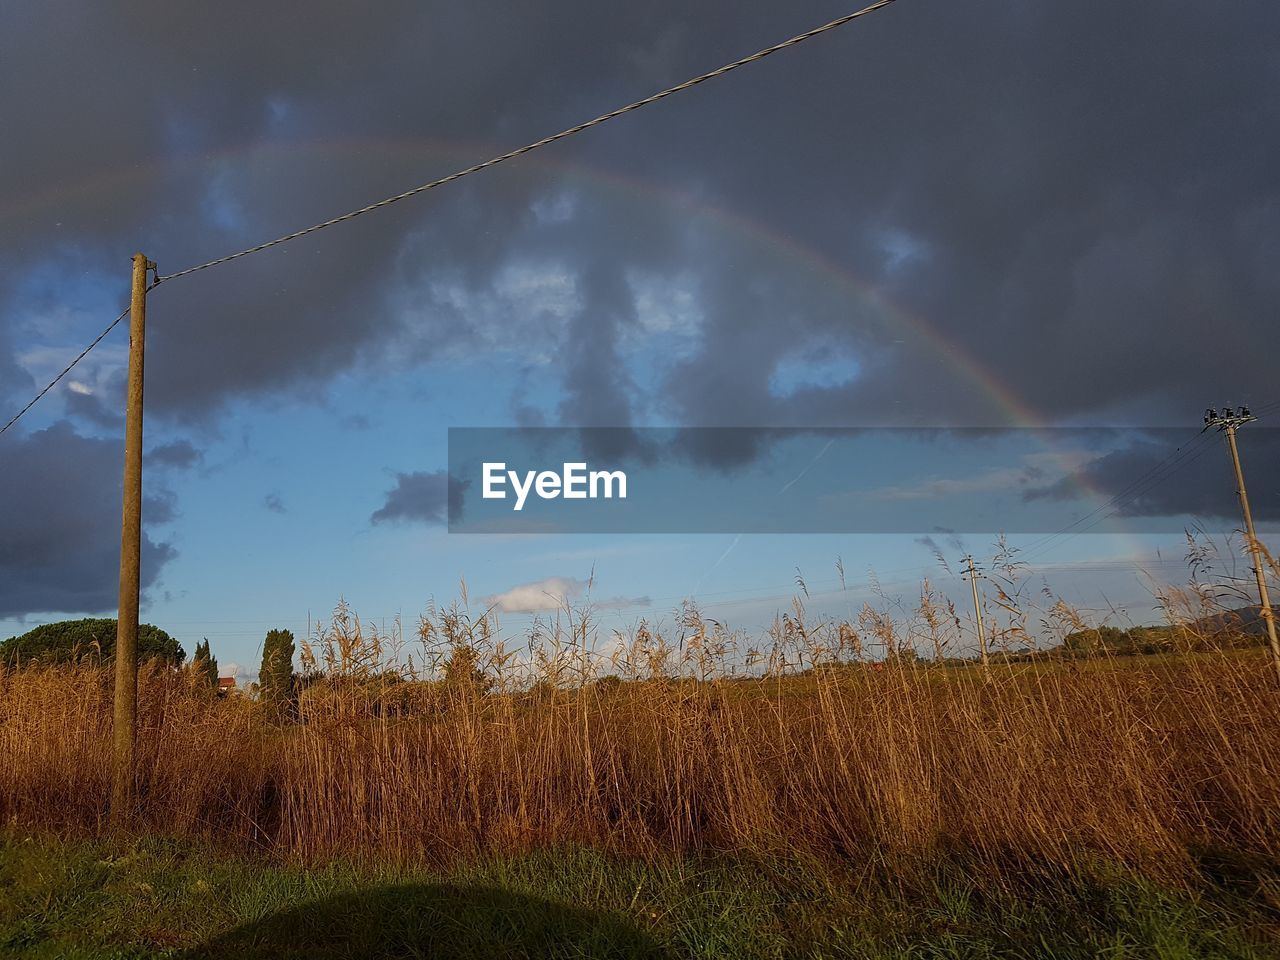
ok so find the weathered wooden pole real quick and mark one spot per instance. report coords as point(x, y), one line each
point(1259, 570)
point(124, 729)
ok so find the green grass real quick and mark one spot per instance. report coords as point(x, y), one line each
point(152, 898)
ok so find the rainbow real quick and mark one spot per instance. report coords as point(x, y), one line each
point(949, 353)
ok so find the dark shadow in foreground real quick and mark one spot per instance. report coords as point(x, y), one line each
point(431, 921)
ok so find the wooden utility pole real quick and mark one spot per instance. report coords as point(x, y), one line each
point(124, 729)
point(977, 613)
point(1228, 421)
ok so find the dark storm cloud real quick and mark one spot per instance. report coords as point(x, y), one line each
point(60, 524)
point(1199, 483)
point(598, 387)
point(16, 385)
point(179, 454)
point(422, 497)
point(1082, 196)
point(160, 506)
point(1099, 212)
point(722, 449)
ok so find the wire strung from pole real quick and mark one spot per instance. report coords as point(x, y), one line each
point(604, 117)
point(52, 383)
point(1180, 456)
point(83, 353)
point(703, 78)
point(1136, 488)
point(721, 71)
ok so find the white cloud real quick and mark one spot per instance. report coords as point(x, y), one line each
point(539, 596)
point(525, 312)
point(554, 593)
point(559, 207)
point(665, 305)
point(44, 362)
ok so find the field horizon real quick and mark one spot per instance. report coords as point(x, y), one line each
point(1144, 760)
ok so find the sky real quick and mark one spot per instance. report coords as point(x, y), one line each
point(1015, 214)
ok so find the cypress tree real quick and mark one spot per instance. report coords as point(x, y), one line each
point(275, 679)
point(205, 664)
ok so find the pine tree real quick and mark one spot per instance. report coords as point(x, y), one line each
point(275, 680)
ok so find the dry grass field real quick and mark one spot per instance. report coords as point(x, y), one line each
point(836, 788)
point(1152, 762)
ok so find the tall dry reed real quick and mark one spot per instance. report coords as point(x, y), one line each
point(684, 740)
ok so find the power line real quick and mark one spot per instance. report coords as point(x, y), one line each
point(1136, 487)
point(656, 604)
point(1115, 506)
point(1182, 456)
point(703, 78)
point(753, 595)
point(83, 353)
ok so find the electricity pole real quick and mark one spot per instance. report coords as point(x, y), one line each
point(1228, 421)
point(124, 728)
point(977, 613)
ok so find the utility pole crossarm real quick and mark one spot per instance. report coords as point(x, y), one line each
point(977, 613)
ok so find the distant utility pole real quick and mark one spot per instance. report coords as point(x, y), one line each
point(124, 729)
point(1228, 421)
point(977, 613)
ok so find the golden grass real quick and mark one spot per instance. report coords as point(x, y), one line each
point(1143, 760)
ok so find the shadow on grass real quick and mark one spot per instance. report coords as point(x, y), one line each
point(431, 921)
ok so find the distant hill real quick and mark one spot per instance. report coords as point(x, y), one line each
point(1242, 627)
point(1246, 620)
